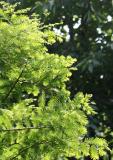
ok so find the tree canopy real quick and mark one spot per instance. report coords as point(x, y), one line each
point(87, 30)
point(38, 117)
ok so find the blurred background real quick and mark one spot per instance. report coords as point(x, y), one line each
point(87, 30)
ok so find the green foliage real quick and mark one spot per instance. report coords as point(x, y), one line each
point(38, 117)
point(88, 27)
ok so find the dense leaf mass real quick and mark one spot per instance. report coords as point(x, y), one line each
point(38, 119)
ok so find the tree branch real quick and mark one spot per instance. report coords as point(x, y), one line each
point(22, 129)
point(13, 86)
point(28, 147)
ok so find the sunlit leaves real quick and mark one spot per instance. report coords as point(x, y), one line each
point(38, 119)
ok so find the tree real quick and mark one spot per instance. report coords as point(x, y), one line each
point(38, 119)
point(87, 26)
